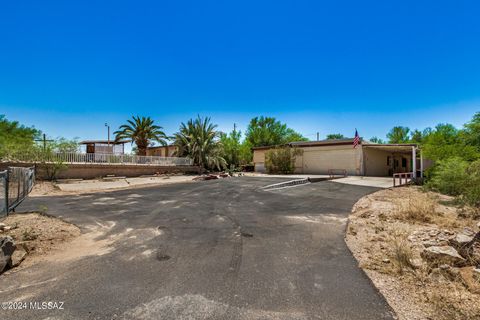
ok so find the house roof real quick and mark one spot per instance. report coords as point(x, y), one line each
point(348, 141)
point(313, 143)
point(323, 142)
point(392, 147)
point(103, 142)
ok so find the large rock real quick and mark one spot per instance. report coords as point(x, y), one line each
point(7, 247)
point(442, 255)
point(431, 237)
point(18, 256)
point(461, 239)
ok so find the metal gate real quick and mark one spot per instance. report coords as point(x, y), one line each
point(15, 184)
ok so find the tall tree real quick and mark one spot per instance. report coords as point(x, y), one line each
point(446, 141)
point(234, 151)
point(142, 131)
point(267, 131)
point(398, 135)
point(416, 136)
point(377, 140)
point(335, 136)
point(471, 131)
point(199, 140)
point(16, 138)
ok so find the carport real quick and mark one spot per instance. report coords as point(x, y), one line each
point(390, 159)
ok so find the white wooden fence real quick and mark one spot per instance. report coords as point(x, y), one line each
point(107, 159)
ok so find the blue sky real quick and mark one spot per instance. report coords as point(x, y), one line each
point(67, 67)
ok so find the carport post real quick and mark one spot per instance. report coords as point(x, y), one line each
point(414, 161)
point(421, 163)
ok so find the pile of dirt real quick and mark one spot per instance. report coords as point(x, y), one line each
point(412, 244)
point(36, 235)
point(212, 176)
point(45, 188)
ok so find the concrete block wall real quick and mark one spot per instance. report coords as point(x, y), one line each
point(91, 171)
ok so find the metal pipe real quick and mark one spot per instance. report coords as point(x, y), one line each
point(414, 161)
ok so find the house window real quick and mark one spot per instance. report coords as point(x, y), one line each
point(404, 162)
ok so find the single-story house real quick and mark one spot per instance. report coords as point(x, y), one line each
point(103, 146)
point(162, 151)
point(366, 159)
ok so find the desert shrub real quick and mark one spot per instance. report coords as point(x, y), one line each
point(402, 253)
point(281, 160)
point(419, 208)
point(450, 176)
point(472, 191)
point(457, 177)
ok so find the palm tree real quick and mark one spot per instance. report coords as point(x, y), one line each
point(142, 131)
point(198, 140)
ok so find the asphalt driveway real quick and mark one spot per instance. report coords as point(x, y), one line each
point(222, 249)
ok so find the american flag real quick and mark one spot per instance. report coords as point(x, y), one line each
point(356, 140)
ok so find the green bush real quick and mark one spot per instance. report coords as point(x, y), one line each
point(472, 192)
point(457, 177)
point(449, 176)
point(281, 160)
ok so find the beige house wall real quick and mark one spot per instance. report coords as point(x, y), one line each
point(259, 160)
point(320, 159)
point(376, 162)
point(163, 151)
point(362, 160)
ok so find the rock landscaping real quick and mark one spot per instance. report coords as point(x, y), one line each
point(421, 251)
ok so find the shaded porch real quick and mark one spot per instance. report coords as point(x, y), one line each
point(385, 160)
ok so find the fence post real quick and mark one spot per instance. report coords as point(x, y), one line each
point(6, 192)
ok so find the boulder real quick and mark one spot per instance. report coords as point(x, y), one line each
point(431, 237)
point(442, 255)
point(7, 247)
point(461, 239)
point(18, 256)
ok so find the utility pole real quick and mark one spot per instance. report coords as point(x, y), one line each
point(108, 133)
point(44, 140)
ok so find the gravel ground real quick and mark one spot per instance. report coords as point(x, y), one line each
point(372, 233)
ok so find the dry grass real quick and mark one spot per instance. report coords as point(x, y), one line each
point(418, 208)
point(425, 208)
point(451, 304)
point(402, 254)
point(417, 289)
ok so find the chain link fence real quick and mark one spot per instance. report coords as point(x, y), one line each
point(15, 184)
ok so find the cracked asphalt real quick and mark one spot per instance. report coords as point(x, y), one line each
point(220, 249)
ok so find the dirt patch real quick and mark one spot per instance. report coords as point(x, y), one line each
point(38, 235)
point(45, 188)
point(391, 231)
